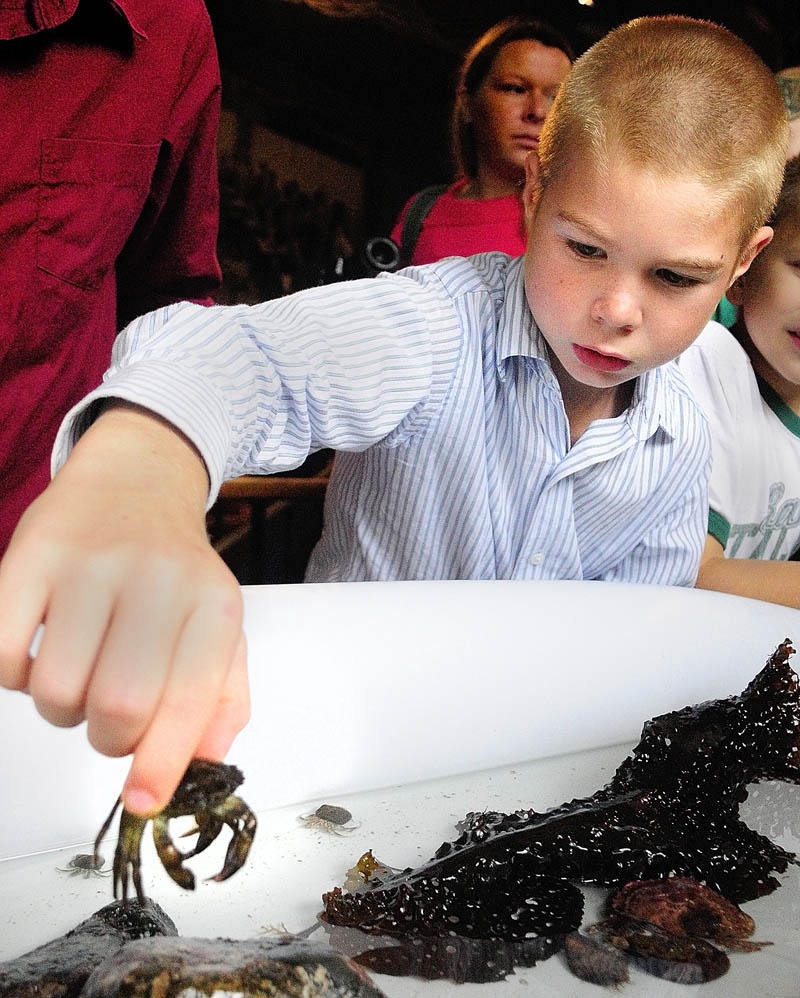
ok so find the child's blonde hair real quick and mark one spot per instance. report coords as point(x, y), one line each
point(683, 96)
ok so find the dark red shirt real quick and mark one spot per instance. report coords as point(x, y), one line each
point(108, 200)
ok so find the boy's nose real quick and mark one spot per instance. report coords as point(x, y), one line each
point(618, 308)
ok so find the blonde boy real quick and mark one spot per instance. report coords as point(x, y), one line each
point(502, 418)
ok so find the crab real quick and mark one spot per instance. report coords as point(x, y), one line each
point(329, 818)
point(86, 864)
point(206, 793)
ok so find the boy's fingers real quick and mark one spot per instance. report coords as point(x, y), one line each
point(75, 624)
point(200, 666)
point(23, 599)
point(233, 710)
point(133, 667)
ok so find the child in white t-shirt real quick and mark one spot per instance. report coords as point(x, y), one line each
point(749, 386)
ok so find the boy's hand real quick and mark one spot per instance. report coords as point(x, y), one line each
point(143, 622)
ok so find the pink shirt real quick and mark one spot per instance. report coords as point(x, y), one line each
point(461, 226)
point(108, 201)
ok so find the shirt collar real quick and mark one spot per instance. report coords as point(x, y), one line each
point(650, 409)
point(519, 336)
point(517, 332)
point(19, 21)
point(127, 9)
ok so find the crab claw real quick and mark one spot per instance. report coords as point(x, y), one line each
point(242, 822)
point(206, 831)
point(171, 858)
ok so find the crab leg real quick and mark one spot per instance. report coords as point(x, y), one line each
point(104, 829)
point(126, 858)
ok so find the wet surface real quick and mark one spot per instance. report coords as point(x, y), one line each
point(290, 867)
point(670, 810)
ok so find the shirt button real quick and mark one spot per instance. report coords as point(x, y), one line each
point(537, 559)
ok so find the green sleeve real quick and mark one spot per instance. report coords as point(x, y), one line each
point(725, 313)
point(718, 527)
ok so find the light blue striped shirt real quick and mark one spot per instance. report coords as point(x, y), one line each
point(454, 462)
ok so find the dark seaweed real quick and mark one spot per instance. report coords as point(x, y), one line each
point(251, 968)
point(453, 958)
point(472, 903)
point(60, 968)
point(672, 808)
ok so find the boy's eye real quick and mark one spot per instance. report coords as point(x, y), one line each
point(512, 88)
point(675, 280)
point(585, 250)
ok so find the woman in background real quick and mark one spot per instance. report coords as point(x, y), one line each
point(506, 86)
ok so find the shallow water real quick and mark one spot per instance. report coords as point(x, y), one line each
point(291, 865)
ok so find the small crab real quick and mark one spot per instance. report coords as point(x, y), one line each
point(206, 793)
point(330, 818)
point(87, 864)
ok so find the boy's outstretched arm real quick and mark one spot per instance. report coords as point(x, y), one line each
point(143, 622)
point(771, 581)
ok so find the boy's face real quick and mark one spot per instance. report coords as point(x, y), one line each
point(623, 269)
point(770, 300)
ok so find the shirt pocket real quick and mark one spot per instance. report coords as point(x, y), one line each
point(91, 195)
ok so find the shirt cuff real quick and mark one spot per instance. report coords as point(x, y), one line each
point(184, 398)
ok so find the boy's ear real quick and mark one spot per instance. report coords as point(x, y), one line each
point(533, 187)
point(762, 238)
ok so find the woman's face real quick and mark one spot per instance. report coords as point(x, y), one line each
point(509, 107)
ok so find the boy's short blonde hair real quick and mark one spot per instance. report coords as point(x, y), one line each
point(685, 97)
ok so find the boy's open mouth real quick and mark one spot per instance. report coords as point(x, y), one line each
point(599, 361)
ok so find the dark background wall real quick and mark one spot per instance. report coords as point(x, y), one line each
point(374, 91)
